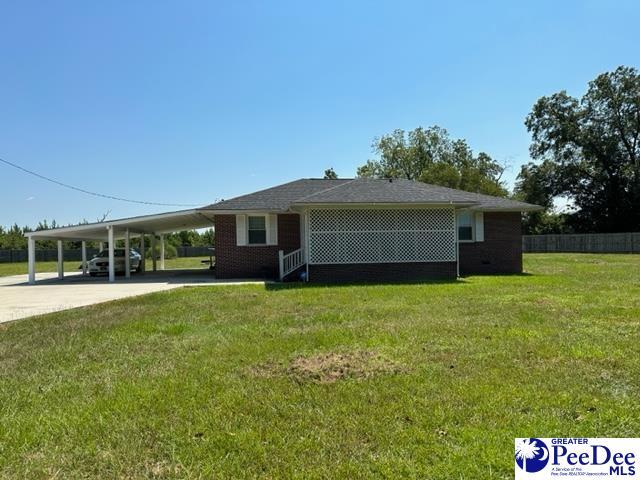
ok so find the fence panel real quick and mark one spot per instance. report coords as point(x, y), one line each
point(44, 255)
point(194, 251)
point(51, 254)
point(582, 243)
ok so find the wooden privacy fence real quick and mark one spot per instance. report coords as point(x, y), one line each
point(583, 242)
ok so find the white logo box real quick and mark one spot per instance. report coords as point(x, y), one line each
point(577, 458)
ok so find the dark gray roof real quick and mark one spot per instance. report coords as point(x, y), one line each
point(369, 190)
point(487, 202)
point(276, 198)
point(364, 191)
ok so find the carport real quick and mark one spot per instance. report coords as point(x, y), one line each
point(122, 229)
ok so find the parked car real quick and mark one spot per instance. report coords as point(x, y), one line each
point(100, 262)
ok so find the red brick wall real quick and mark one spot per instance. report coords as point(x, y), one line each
point(233, 261)
point(501, 251)
point(381, 272)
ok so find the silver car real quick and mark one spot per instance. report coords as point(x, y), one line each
point(100, 262)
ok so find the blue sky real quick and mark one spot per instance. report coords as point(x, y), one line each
point(189, 102)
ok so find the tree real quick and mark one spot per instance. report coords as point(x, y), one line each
point(430, 155)
point(330, 174)
point(534, 185)
point(13, 237)
point(589, 151)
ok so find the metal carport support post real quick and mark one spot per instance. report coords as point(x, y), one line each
point(143, 267)
point(84, 258)
point(127, 253)
point(153, 251)
point(60, 261)
point(161, 252)
point(31, 242)
point(112, 266)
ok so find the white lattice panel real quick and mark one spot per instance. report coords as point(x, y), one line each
point(381, 236)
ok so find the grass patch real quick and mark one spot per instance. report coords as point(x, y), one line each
point(377, 381)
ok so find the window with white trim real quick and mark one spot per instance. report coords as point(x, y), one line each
point(465, 225)
point(257, 230)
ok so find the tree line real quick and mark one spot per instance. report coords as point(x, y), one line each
point(13, 237)
point(585, 150)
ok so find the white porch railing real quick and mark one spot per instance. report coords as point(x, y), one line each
point(290, 262)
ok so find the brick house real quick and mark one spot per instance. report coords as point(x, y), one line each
point(366, 230)
point(327, 231)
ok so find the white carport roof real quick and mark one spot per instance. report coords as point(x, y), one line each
point(145, 224)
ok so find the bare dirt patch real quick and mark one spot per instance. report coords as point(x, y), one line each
point(331, 367)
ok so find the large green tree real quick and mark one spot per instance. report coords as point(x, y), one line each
point(430, 155)
point(588, 150)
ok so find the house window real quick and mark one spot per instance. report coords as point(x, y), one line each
point(257, 230)
point(465, 226)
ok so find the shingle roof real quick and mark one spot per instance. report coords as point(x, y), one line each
point(276, 198)
point(363, 191)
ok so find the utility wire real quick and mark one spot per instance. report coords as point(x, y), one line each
point(82, 190)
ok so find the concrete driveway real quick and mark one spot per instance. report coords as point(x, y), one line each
point(20, 300)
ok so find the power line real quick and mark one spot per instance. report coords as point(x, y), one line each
point(82, 190)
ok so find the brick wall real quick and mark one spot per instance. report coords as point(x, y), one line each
point(501, 251)
point(381, 272)
point(233, 261)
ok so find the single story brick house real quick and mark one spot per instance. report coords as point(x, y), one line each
point(366, 230)
point(328, 231)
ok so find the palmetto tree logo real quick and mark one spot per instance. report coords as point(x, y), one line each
point(532, 454)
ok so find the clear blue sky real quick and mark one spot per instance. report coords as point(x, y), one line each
point(189, 102)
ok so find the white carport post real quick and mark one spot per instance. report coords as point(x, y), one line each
point(31, 242)
point(127, 253)
point(112, 259)
point(161, 252)
point(153, 251)
point(142, 254)
point(60, 261)
point(84, 258)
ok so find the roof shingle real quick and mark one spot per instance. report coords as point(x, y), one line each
point(364, 191)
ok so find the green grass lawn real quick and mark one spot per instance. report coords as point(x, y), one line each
point(21, 267)
point(391, 381)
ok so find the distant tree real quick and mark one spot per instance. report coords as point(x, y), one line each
point(208, 237)
point(430, 155)
point(534, 185)
point(13, 238)
point(589, 151)
point(103, 217)
point(330, 174)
